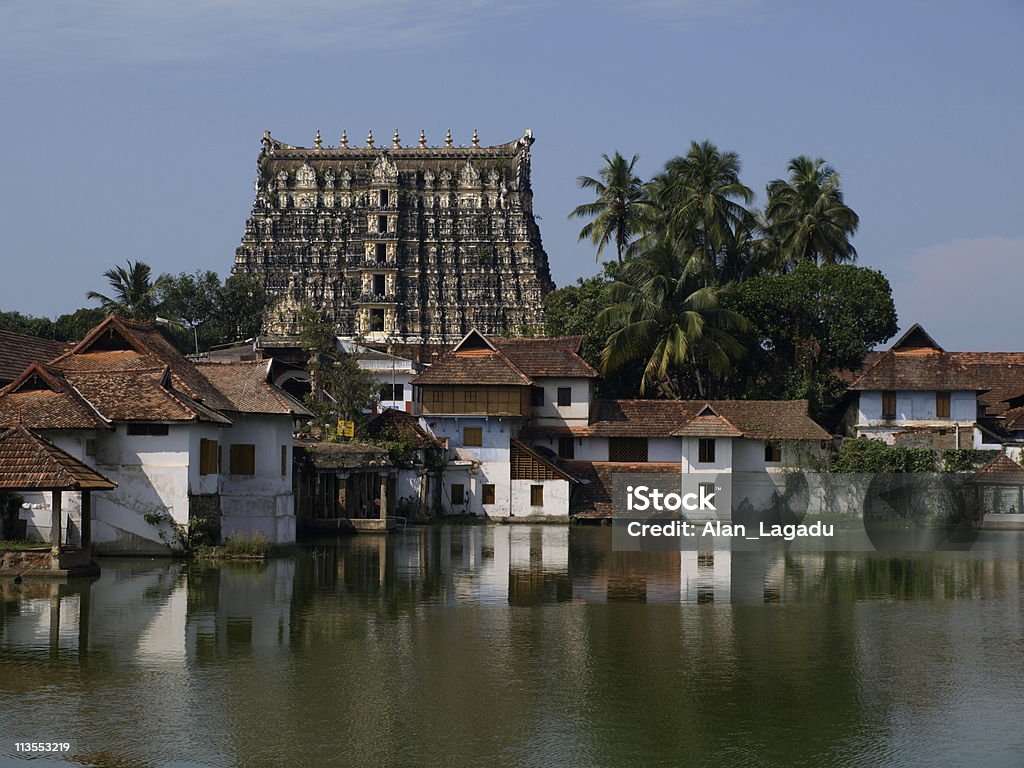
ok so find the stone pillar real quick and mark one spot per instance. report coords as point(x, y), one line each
point(384, 477)
point(86, 521)
point(55, 520)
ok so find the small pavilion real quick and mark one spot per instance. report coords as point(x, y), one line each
point(29, 462)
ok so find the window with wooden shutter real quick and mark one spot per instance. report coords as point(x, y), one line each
point(565, 396)
point(458, 493)
point(473, 436)
point(942, 405)
point(632, 449)
point(209, 457)
point(888, 406)
point(772, 451)
point(488, 493)
point(536, 495)
point(242, 459)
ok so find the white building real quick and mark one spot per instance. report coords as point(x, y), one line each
point(185, 445)
point(392, 373)
point(526, 437)
point(918, 394)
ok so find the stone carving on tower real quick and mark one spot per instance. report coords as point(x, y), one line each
point(412, 245)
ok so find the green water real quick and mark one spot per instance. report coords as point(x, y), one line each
point(524, 646)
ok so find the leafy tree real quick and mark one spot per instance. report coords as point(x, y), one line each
point(807, 217)
point(573, 311)
point(664, 315)
point(244, 303)
point(805, 326)
point(618, 214)
point(135, 293)
point(28, 325)
point(701, 205)
point(73, 326)
point(341, 389)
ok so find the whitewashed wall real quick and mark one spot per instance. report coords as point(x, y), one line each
point(578, 412)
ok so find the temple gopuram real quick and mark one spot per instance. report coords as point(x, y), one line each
point(398, 245)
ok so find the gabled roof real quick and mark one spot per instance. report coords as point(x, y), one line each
point(42, 398)
point(754, 419)
point(521, 454)
point(140, 394)
point(1002, 470)
point(120, 344)
point(473, 361)
point(916, 363)
point(18, 351)
point(248, 388)
point(29, 462)
point(707, 423)
point(477, 359)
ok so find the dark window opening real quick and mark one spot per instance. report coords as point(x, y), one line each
point(382, 223)
point(242, 459)
point(627, 449)
point(772, 451)
point(383, 198)
point(153, 430)
point(458, 493)
point(942, 405)
point(706, 450)
point(888, 406)
point(566, 447)
point(381, 251)
point(536, 495)
point(537, 396)
point(565, 395)
point(488, 493)
point(379, 285)
point(376, 319)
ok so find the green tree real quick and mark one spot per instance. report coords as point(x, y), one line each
point(807, 325)
point(243, 307)
point(341, 389)
point(191, 301)
point(807, 217)
point(619, 213)
point(135, 292)
point(73, 326)
point(664, 315)
point(701, 205)
point(29, 325)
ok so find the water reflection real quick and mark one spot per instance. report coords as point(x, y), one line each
point(524, 645)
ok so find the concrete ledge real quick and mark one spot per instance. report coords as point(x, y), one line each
point(40, 563)
point(1003, 523)
point(531, 519)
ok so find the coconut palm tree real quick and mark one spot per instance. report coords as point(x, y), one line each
point(806, 215)
point(663, 313)
point(702, 201)
point(618, 213)
point(134, 291)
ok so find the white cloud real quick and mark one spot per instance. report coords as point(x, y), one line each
point(966, 293)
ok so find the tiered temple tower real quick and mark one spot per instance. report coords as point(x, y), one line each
point(399, 244)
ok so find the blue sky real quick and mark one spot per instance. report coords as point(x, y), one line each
point(130, 129)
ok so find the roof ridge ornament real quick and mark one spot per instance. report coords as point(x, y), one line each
point(423, 139)
point(318, 142)
point(448, 138)
point(396, 142)
point(476, 140)
point(344, 139)
point(369, 140)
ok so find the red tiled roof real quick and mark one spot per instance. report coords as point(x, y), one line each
point(473, 367)
point(754, 419)
point(1002, 470)
point(140, 395)
point(111, 344)
point(593, 496)
point(42, 398)
point(915, 370)
point(248, 388)
point(29, 462)
point(557, 356)
point(18, 351)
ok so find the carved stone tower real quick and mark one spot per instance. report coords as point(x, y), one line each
point(410, 245)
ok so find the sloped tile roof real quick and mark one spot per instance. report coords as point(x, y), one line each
point(140, 395)
point(42, 398)
point(1002, 470)
point(29, 462)
point(916, 370)
point(754, 419)
point(557, 356)
point(248, 387)
point(471, 367)
point(18, 351)
point(125, 337)
point(592, 498)
point(708, 425)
